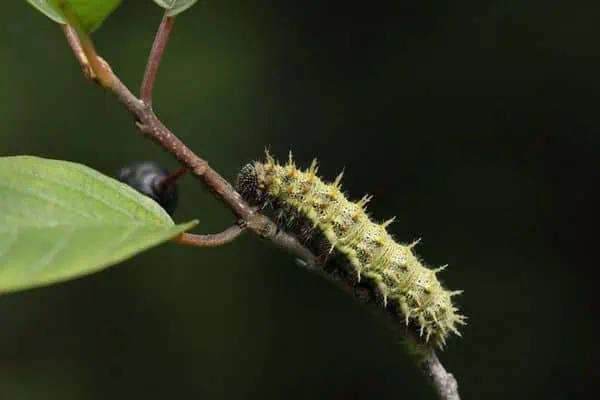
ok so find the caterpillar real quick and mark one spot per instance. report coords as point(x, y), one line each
point(353, 249)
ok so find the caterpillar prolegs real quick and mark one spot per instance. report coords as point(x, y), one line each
point(366, 257)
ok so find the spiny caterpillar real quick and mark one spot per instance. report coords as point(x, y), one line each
point(368, 261)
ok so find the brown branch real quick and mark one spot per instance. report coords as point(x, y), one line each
point(212, 240)
point(156, 53)
point(149, 124)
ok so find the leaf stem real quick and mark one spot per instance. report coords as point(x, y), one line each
point(78, 51)
point(84, 50)
point(155, 57)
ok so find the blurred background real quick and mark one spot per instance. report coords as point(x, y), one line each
point(476, 124)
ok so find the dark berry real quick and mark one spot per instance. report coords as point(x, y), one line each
point(147, 177)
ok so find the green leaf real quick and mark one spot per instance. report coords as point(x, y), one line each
point(175, 6)
point(47, 8)
point(61, 220)
point(89, 13)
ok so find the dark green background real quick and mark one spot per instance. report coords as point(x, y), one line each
point(475, 124)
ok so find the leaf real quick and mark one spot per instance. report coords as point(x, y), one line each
point(175, 6)
point(61, 220)
point(46, 8)
point(89, 13)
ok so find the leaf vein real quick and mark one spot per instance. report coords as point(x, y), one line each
point(77, 189)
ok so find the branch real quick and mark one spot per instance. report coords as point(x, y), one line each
point(156, 53)
point(151, 127)
point(442, 381)
point(250, 219)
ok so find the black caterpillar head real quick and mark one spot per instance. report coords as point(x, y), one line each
point(248, 185)
point(147, 177)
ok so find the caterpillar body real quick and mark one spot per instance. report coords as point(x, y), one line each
point(354, 250)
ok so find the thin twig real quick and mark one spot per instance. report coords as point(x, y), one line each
point(212, 240)
point(171, 179)
point(156, 53)
point(149, 124)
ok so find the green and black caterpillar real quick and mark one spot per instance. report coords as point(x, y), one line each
point(354, 250)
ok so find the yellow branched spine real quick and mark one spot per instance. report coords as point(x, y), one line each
point(403, 284)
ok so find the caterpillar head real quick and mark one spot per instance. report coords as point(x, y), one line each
point(249, 183)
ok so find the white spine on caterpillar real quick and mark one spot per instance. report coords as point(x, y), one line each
point(405, 286)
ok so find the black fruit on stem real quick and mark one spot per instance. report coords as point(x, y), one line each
point(147, 178)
